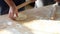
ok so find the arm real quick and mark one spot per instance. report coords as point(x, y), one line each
point(13, 10)
point(10, 3)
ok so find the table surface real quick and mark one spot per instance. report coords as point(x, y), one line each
point(38, 21)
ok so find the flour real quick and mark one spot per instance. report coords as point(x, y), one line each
point(5, 32)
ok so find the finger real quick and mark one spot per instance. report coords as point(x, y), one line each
point(17, 14)
point(11, 15)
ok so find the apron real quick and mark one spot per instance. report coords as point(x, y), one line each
point(4, 8)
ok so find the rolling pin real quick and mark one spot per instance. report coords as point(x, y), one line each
point(24, 4)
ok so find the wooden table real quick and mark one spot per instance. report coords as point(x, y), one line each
point(38, 21)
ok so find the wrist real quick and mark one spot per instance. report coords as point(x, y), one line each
point(13, 7)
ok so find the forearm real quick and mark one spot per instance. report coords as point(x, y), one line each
point(10, 3)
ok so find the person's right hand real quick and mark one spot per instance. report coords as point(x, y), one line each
point(13, 11)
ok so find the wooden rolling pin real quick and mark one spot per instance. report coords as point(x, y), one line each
point(24, 4)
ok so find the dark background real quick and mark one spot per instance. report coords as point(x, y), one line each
point(45, 2)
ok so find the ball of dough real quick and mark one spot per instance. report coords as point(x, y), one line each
point(21, 17)
point(5, 32)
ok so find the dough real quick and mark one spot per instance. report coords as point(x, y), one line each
point(5, 32)
point(21, 17)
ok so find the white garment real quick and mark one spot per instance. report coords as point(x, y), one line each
point(38, 3)
point(55, 4)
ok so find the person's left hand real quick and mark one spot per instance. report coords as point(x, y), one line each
point(13, 11)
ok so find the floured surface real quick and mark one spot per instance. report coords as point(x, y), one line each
point(44, 26)
point(5, 32)
point(41, 24)
point(12, 26)
point(38, 21)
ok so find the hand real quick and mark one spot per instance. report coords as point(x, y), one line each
point(13, 11)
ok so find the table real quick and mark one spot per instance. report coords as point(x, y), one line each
point(38, 21)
